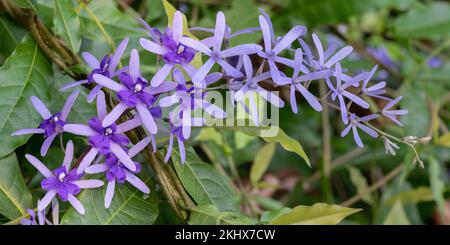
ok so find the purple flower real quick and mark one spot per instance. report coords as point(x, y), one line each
point(62, 182)
point(216, 55)
point(326, 59)
point(391, 114)
point(53, 124)
point(176, 132)
point(251, 86)
point(33, 220)
point(356, 123)
point(104, 140)
point(296, 83)
point(434, 62)
point(271, 54)
point(189, 99)
point(170, 48)
point(227, 35)
point(340, 92)
point(106, 67)
point(382, 55)
point(376, 90)
point(118, 172)
point(134, 92)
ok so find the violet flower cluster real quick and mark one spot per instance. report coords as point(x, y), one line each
point(181, 87)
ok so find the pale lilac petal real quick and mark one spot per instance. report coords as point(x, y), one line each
point(87, 160)
point(397, 112)
point(357, 138)
point(47, 142)
point(136, 182)
point(134, 71)
point(239, 95)
point(275, 73)
point(240, 50)
point(107, 82)
point(214, 110)
point(368, 130)
point(346, 130)
point(219, 31)
point(313, 76)
point(395, 120)
point(115, 113)
point(88, 183)
point(204, 29)
point(76, 204)
point(115, 59)
point(201, 73)
point(339, 56)
point(338, 75)
point(101, 105)
point(377, 86)
point(39, 166)
point(96, 168)
point(90, 60)
point(187, 123)
point(266, 33)
point(177, 26)
point(153, 140)
point(138, 147)
point(248, 67)
point(229, 70)
point(368, 118)
point(287, 40)
point(310, 98)
point(245, 31)
point(330, 50)
point(147, 118)
point(73, 84)
point(287, 62)
point(79, 129)
point(152, 46)
point(40, 107)
point(318, 47)
point(293, 100)
point(128, 125)
point(298, 61)
point(356, 99)
point(271, 97)
point(68, 157)
point(110, 193)
point(161, 75)
point(253, 109)
point(69, 103)
point(122, 156)
point(91, 96)
point(55, 212)
point(392, 103)
point(168, 101)
point(343, 107)
point(197, 45)
point(182, 150)
point(28, 131)
point(45, 201)
point(212, 78)
point(169, 148)
point(162, 88)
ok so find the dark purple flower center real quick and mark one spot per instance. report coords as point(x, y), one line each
point(270, 55)
point(134, 92)
point(116, 170)
point(177, 53)
point(102, 70)
point(53, 124)
point(102, 140)
point(215, 55)
point(61, 182)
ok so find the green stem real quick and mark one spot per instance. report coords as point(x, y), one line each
point(326, 136)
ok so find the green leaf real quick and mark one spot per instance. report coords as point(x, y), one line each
point(397, 215)
point(67, 23)
point(419, 194)
point(15, 197)
point(437, 183)
point(203, 182)
point(11, 34)
point(415, 100)
point(209, 134)
point(360, 182)
point(262, 160)
point(425, 21)
point(170, 11)
point(210, 215)
point(280, 137)
point(318, 214)
point(129, 206)
point(24, 74)
point(267, 216)
point(243, 14)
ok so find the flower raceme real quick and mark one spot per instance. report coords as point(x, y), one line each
point(164, 104)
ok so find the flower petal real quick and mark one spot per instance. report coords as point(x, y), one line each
point(134, 71)
point(287, 40)
point(197, 45)
point(219, 31)
point(39, 166)
point(128, 125)
point(45, 201)
point(177, 26)
point(28, 131)
point(318, 47)
point(115, 113)
point(47, 142)
point(169, 148)
point(240, 50)
point(310, 98)
point(152, 46)
point(368, 130)
point(90, 60)
point(79, 129)
point(147, 118)
point(357, 138)
point(72, 84)
point(40, 107)
point(136, 182)
point(68, 157)
point(161, 75)
point(115, 59)
point(91, 96)
point(107, 82)
point(122, 156)
point(201, 73)
point(229, 70)
point(340, 55)
point(69, 103)
point(88, 183)
point(265, 28)
point(293, 100)
point(138, 147)
point(356, 99)
point(96, 168)
point(87, 160)
point(76, 204)
point(110, 193)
